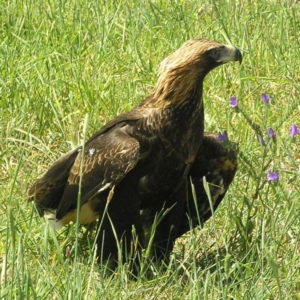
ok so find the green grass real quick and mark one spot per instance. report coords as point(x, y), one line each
point(63, 60)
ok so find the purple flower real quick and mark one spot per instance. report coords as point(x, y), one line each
point(223, 137)
point(272, 176)
point(233, 102)
point(271, 133)
point(294, 130)
point(265, 98)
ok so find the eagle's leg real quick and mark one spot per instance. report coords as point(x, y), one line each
point(162, 220)
point(120, 237)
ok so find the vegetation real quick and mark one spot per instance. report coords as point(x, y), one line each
point(68, 67)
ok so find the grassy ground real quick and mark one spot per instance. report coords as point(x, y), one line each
point(61, 61)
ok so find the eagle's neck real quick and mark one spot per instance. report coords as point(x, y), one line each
point(177, 114)
point(184, 125)
point(176, 85)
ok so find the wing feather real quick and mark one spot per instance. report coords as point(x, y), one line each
point(47, 191)
point(105, 161)
point(218, 164)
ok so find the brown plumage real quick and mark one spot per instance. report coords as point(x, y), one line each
point(218, 164)
point(140, 159)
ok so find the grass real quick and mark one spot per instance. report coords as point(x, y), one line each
point(65, 62)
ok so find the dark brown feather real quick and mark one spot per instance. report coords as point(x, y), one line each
point(218, 164)
point(140, 159)
point(107, 159)
point(48, 190)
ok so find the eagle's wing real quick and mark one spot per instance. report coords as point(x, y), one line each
point(106, 160)
point(47, 190)
point(218, 164)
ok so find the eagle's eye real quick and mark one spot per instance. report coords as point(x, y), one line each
point(214, 53)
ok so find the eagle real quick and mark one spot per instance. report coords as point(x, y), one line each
point(137, 166)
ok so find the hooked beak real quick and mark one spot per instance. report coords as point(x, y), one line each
point(229, 53)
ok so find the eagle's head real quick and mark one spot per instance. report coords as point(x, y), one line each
point(185, 69)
